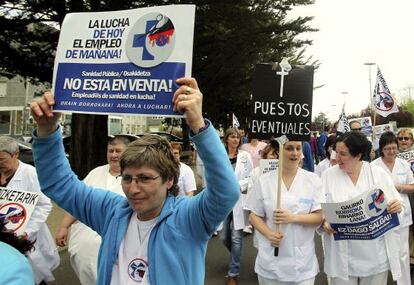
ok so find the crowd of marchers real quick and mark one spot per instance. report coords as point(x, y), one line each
point(126, 218)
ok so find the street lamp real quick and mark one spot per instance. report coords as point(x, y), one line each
point(369, 64)
point(344, 93)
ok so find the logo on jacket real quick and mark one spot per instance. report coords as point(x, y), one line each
point(151, 40)
point(376, 203)
point(137, 269)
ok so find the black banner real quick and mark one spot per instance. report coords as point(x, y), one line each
point(289, 115)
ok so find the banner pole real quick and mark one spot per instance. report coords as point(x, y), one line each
point(279, 190)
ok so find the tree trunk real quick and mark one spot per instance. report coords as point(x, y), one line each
point(88, 143)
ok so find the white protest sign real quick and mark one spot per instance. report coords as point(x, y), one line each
point(16, 208)
point(123, 62)
point(380, 129)
point(366, 125)
point(409, 157)
point(362, 218)
point(268, 165)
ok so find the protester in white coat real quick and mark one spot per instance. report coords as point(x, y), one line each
point(21, 176)
point(353, 262)
point(84, 242)
point(400, 172)
point(186, 181)
point(232, 231)
point(300, 215)
point(271, 151)
point(329, 160)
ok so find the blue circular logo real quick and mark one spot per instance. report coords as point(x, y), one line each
point(137, 268)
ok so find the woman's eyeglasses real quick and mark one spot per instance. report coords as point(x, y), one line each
point(404, 138)
point(142, 179)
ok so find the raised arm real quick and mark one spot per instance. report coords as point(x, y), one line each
point(91, 206)
point(204, 212)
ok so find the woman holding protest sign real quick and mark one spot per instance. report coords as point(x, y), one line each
point(403, 179)
point(232, 228)
point(299, 216)
point(353, 262)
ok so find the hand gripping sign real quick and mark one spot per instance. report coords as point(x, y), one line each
point(363, 218)
point(281, 107)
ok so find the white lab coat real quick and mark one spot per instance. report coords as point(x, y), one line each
point(401, 174)
point(84, 242)
point(322, 166)
point(186, 181)
point(243, 169)
point(297, 258)
point(336, 183)
point(45, 257)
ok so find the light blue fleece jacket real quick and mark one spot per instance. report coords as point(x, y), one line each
point(15, 269)
point(178, 242)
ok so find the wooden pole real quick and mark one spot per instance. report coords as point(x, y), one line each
point(279, 189)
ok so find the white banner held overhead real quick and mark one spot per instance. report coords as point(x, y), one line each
point(343, 125)
point(236, 123)
point(123, 62)
point(384, 102)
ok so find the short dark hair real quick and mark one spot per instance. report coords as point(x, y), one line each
point(21, 244)
point(356, 142)
point(385, 139)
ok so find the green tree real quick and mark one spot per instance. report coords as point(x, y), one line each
point(230, 38)
point(321, 121)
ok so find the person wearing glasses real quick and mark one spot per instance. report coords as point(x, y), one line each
point(140, 233)
point(355, 126)
point(405, 140)
point(405, 146)
point(84, 243)
point(403, 179)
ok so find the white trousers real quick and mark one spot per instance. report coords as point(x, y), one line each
point(378, 279)
point(265, 281)
point(404, 258)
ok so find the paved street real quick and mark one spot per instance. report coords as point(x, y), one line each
point(216, 261)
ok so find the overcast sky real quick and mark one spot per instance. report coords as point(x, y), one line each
point(351, 33)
